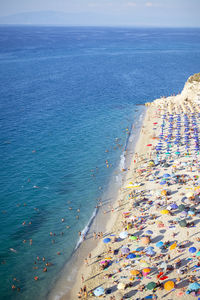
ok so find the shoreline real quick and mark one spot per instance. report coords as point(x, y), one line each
point(70, 272)
point(113, 220)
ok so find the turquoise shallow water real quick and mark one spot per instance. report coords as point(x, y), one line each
point(66, 95)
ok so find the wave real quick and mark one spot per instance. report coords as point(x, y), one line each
point(87, 228)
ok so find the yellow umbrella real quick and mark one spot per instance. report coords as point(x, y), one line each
point(169, 285)
point(164, 211)
point(146, 270)
point(134, 272)
point(173, 246)
point(164, 193)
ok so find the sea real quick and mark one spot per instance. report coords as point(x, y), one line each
point(70, 100)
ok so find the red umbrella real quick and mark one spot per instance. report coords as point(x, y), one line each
point(149, 145)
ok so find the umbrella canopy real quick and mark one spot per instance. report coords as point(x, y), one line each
point(123, 234)
point(99, 291)
point(194, 286)
point(131, 256)
point(166, 175)
point(181, 207)
point(133, 238)
point(151, 285)
point(125, 250)
point(169, 285)
point(173, 246)
point(164, 211)
point(146, 270)
point(164, 193)
point(106, 240)
point(192, 249)
point(159, 244)
point(174, 206)
point(198, 254)
point(121, 286)
point(183, 223)
point(134, 272)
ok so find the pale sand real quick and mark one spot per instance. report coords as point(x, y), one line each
point(93, 277)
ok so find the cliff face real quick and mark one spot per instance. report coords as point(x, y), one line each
point(190, 94)
point(191, 90)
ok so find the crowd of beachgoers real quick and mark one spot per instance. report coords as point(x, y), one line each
point(151, 248)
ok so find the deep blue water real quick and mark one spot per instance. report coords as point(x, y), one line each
point(66, 94)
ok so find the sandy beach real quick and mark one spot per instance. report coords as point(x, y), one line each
point(150, 248)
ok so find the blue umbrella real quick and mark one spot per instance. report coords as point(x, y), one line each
point(194, 286)
point(163, 182)
point(159, 244)
point(131, 256)
point(99, 291)
point(166, 175)
point(106, 240)
point(192, 250)
point(174, 206)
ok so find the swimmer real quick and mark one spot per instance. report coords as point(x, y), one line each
point(67, 226)
point(23, 223)
point(70, 208)
point(58, 253)
point(43, 258)
point(45, 269)
point(63, 220)
point(77, 217)
point(13, 250)
point(78, 210)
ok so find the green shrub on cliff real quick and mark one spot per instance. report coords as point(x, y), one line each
point(195, 77)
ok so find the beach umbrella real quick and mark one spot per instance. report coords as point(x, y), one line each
point(145, 240)
point(149, 232)
point(146, 270)
point(163, 182)
point(183, 223)
point(192, 249)
point(184, 214)
point(121, 286)
point(164, 211)
point(150, 252)
point(169, 285)
point(149, 145)
point(174, 206)
point(133, 238)
point(198, 254)
point(181, 207)
point(106, 240)
point(123, 234)
point(99, 291)
point(163, 265)
point(194, 286)
point(151, 285)
point(125, 250)
point(159, 244)
point(166, 175)
point(131, 256)
point(134, 272)
point(164, 193)
point(173, 246)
